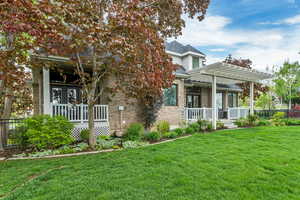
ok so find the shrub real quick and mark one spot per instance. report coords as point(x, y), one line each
point(220, 125)
point(209, 127)
point(179, 131)
point(241, 122)
point(252, 120)
point(133, 144)
point(264, 122)
point(292, 122)
point(85, 134)
point(153, 136)
point(189, 130)
point(45, 132)
point(163, 127)
point(134, 132)
point(195, 127)
point(278, 115)
point(107, 144)
point(203, 124)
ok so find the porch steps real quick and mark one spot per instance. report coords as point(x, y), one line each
point(229, 124)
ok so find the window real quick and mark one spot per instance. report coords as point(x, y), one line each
point(171, 96)
point(193, 101)
point(57, 95)
point(220, 100)
point(195, 62)
point(232, 100)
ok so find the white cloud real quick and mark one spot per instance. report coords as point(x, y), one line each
point(213, 31)
point(217, 50)
point(292, 20)
point(265, 47)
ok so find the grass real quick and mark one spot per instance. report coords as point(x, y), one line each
point(257, 163)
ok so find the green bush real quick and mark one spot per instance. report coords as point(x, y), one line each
point(292, 122)
point(153, 136)
point(45, 132)
point(203, 124)
point(163, 127)
point(252, 120)
point(241, 122)
point(189, 130)
point(134, 132)
point(179, 131)
point(172, 134)
point(220, 125)
point(264, 122)
point(107, 144)
point(195, 127)
point(278, 115)
point(85, 134)
point(209, 127)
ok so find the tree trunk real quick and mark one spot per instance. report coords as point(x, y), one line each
point(5, 115)
point(36, 76)
point(91, 103)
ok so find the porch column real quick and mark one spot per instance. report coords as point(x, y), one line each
point(214, 102)
point(46, 92)
point(251, 98)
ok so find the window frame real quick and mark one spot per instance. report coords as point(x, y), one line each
point(193, 66)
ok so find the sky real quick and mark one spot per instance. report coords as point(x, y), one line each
point(265, 31)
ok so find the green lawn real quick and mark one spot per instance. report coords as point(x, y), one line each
point(257, 163)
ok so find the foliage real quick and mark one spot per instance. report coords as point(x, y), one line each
point(150, 110)
point(171, 134)
point(258, 87)
point(179, 131)
point(287, 81)
point(189, 130)
point(132, 144)
point(292, 122)
point(163, 127)
point(209, 127)
point(134, 132)
point(153, 136)
point(241, 122)
point(265, 101)
point(195, 127)
point(107, 144)
point(220, 125)
point(203, 124)
point(278, 116)
point(252, 119)
point(84, 134)
point(264, 122)
point(45, 132)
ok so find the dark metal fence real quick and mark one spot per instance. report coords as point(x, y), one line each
point(270, 113)
point(9, 130)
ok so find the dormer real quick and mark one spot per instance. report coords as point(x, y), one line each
point(185, 55)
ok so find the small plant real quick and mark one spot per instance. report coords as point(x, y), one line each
point(134, 132)
point(241, 122)
point(179, 131)
point(195, 127)
point(209, 127)
point(104, 137)
point(153, 136)
point(163, 127)
point(189, 131)
point(278, 115)
point(66, 149)
point(203, 124)
point(172, 134)
point(252, 120)
point(220, 125)
point(106, 144)
point(85, 134)
point(264, 122)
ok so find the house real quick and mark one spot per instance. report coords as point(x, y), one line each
point(199, 91)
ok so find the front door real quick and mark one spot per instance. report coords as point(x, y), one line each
point(193, 101)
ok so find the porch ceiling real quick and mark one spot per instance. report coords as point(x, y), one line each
point(228, 74)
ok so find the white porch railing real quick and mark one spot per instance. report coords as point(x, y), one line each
point(194, 114)
point(237, 113)
point(79, 112)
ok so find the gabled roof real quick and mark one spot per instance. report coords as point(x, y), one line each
point(179, 48)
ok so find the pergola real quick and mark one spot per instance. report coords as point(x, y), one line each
point(224, 73)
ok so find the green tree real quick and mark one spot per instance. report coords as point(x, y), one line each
point(287, 81)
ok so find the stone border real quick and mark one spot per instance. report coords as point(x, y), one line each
point(88, 152)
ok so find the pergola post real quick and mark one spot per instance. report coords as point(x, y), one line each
point(251, 98)
point(46, 92)
point(214, 102)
